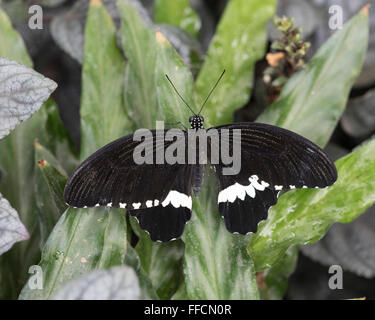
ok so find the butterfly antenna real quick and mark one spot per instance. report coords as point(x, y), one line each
point(217, 82)
point(179, 94)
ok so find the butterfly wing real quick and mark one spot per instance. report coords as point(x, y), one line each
point(166, 221)
point(272, 159)
point(158, 195)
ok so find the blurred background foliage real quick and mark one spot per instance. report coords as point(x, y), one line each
point(109, 63)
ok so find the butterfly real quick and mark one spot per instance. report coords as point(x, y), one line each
point(159, 195)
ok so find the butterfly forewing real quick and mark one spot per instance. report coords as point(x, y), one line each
point(280, 157)
point(158, 195)
point(272, 159)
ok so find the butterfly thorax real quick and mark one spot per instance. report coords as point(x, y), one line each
point(196, 122)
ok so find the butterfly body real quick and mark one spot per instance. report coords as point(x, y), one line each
point(198, 173)
point(196, 122)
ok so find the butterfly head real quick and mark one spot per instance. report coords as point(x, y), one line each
point(196, 122)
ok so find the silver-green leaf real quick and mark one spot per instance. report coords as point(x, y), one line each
point(11, 228)
point(117, 283)
point(22, 92)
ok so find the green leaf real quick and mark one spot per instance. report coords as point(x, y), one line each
point(50, 181)
point(216, 263)
point(132, 259)
point(148, 95)
point(177, 13)
point(11, 44)
point(168, 62)
point(313, 100)
point(159, 263)
point(138, 41)
point(60, 140)
point(276, 278)
point(304, 216)
point(181, 293)
point(240, 41)
point(54, 175)
point(102, 111)
point(162, 263)
point(81, 241)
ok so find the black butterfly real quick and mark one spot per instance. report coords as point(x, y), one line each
point(160, 195)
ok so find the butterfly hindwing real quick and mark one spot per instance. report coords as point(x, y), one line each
point(163, 223)
point(167, 221)
point(243, 206)
point(243, 216)
point(272, 159)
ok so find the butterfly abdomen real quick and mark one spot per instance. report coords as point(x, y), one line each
point(197, 179)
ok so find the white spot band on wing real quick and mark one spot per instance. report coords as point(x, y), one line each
point(178, 199)
point(237, 190)
point(136, 205)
